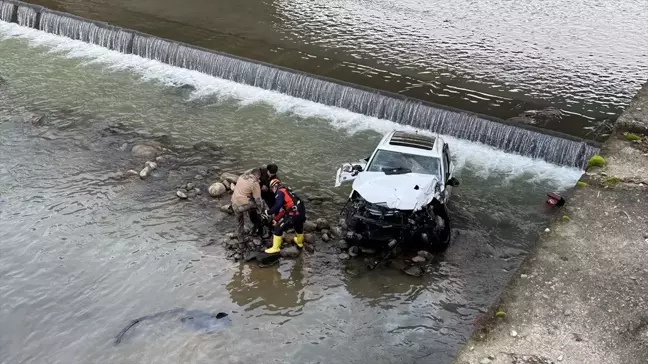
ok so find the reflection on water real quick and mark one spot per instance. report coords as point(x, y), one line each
point(83, 252)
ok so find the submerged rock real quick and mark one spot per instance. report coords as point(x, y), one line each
point(325, 237)
point(181, 195)
point(414, 271)
point(189, 186)
point(151, 165)
point(425, 255)
point(354, 251)
point(217, 189)
point(145, 151)
point(205, 146)
point(132, 172)
point(342, 244)
point(343, 256)
point(336, 232)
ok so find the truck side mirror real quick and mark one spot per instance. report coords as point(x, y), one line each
point(452, 182)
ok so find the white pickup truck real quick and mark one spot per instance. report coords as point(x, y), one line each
point(400, 191)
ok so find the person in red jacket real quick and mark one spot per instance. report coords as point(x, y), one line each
point(289, 211)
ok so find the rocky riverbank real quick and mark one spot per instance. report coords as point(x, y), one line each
point(581, 295)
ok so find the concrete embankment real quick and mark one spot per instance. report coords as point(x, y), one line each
point(582, 295)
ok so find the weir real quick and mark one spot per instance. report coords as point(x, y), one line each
point(524, 140)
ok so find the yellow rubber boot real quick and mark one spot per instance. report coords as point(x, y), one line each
point(276, 245)
point(299, 240)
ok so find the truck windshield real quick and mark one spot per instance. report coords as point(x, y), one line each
point(389, 160)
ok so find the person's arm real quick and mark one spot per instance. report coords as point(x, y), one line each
point(279, 202)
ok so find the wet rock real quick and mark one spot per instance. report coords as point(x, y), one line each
point(425, 255)
point(343, 224)
point(336, 232)
point(310, 226)
point(485, 361)
point(322, 224)
point(354, 251)
point(132, 172)
point(229, 177)
point(257, 242)
point(309, 238)
point(227, 209)
point(189, 186)
point(343, 256)
point(209, 147)
point(309, 248)
point(198, 177)
point(414, 271)
point(238, 256)
point(151, 165)
point(418, 259)
point(217, 189)
point(145, 172)
point(290, 252)
point(123, 147)
point(513, 333)
point(181, 195)
point(342, 244)
point(539, 117)
point(145, 151)
point(325, 237)
point(231, 235)
point(165, 158)
point(197, 191)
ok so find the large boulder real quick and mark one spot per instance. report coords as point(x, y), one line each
point(323, 224)
point(217, 189)
point(229, 177)
point(145, 151)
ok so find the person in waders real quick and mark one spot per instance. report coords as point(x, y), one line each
point(289, 211)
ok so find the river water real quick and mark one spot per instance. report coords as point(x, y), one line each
point(83, 251)
point(489, 56)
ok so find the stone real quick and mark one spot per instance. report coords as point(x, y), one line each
point(151, 165)
point(227, 209)
point(164, 158)
point(491, 357)
point(123, 147)
point(524, 276)
point(198, 177)
point(310, 226)
point(238, 256)
point(342, 244)
point(325, 237)
point(205, 146)
point(567, 313)
point(190, 186)
point(232, 235)
point(217, 189)
point(181, 195)
point(132, 172)
point(414, 271)
point(309, 238)
point(144, 151)
point(425, 255)
point(418, 259)
point(547, 230)
point(322, 224)
point(354, 251)
point(336, 232)
point(560, 358)
point(342, 223)
point(343, 256)
point(229, 177)
point(290, 252)
point(513, 333)
point(257, 242)
point(485, 361)
point(197, 191)
point(309, 248)
point(145, 172)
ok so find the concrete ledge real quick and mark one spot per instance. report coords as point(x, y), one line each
point(581, 296)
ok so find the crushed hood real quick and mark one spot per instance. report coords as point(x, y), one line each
point(396, 191)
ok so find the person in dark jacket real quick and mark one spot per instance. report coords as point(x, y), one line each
point(289, 211)
point(268, 173)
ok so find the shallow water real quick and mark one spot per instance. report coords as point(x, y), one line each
point(82, 251)
point(488, 56)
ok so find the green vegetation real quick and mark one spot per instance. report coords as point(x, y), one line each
point(565, 218)
point(581, 184)
point(500, 314)
point(612, 181)
point(632, 136)
point(596, 161)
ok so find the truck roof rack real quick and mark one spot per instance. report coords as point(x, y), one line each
point(413, 140)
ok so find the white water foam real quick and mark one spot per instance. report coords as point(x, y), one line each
point(480, 159)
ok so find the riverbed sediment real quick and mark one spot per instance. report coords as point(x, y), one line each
point(580, 295)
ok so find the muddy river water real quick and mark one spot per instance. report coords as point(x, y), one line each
point(83, 251)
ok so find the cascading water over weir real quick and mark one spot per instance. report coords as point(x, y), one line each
point(523, 140)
